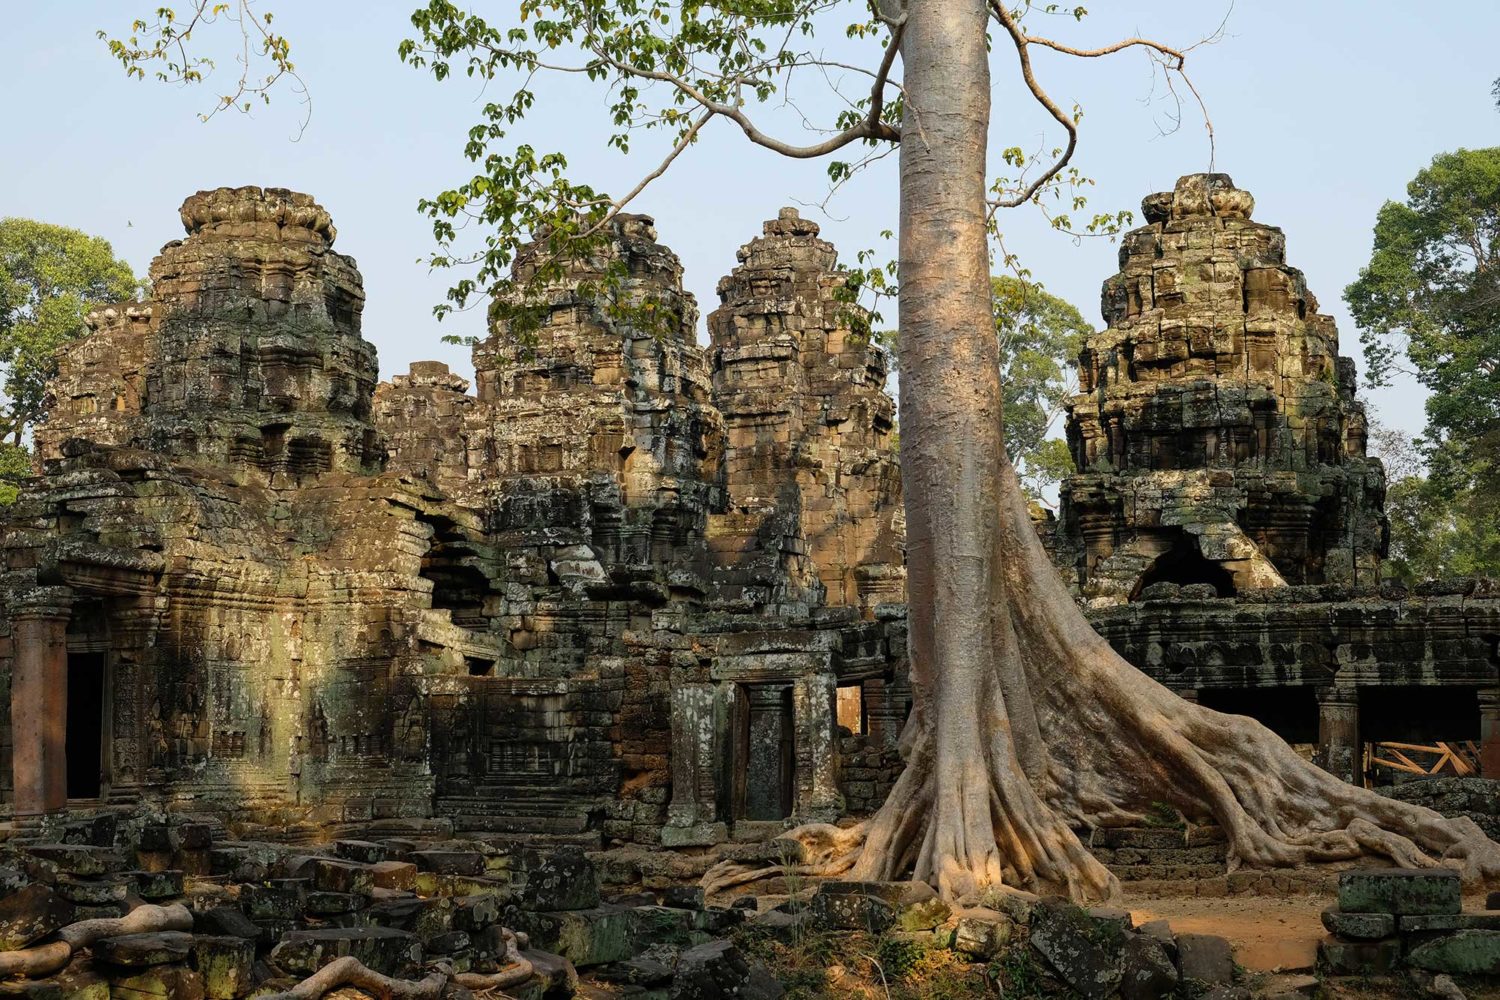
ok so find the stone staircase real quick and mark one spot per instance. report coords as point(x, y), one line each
point(1138, 854)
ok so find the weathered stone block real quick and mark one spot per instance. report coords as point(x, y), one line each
point(584, 937)
point(363, 851)
point(449, 862)
point(1401, 891)
point(30, 914)
point(337, 875)
point(77, 859)
point(1147, 970)
point(1359, 926)
point(1358, 958)
point(393, 875)
point(225, 964)
point(160, 948)
point(152, 886)
point(1462, 952)
point(565, 880)
point(1086, 956)
point(1205, 959)
point(387, 951)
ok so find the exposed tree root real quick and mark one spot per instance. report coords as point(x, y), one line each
point(350, 971)
point(45, 959)
point(1060, 732)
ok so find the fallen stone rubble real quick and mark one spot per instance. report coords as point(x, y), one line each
point(134, 912)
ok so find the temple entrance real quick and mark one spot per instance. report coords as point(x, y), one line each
point(85, 733)
point(1183, 564)
point(765, 737)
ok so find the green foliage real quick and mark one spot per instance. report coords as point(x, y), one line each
point(15, 465)
point(1436, 531)
point(50, 277)
point(166, 44)
point(1428, 304)
point(1040, 336)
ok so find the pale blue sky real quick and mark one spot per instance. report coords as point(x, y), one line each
point(1323, 109)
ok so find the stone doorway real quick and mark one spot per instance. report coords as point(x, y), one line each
point(84, 742)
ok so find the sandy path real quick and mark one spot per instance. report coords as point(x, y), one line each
point(1268, 934)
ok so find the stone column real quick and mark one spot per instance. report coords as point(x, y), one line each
point(1339, 748)
point(1489, 732)
point(39, 701)
point(692, 815)
point(814, 698)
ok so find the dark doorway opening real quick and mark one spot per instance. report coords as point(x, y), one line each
point(1184, 564)
point(85, 739)
point(1289, 712)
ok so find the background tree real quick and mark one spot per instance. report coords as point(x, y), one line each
point(50, 277)
point(1428, 305)
point(1039, 338)
point(1025, 723)
point(1435, 533)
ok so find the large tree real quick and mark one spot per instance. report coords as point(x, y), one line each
point(1039, 337)
point(1026, 724)
point(50, 277)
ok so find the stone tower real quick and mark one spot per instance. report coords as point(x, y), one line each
point(814, 489)
point(1216, 434)
point(248, 355)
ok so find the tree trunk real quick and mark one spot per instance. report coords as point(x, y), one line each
point(1026, 724)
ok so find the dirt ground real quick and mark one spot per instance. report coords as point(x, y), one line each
point(1268, 934)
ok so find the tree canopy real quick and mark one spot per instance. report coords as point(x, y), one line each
point(50, 277)
point(1428, 304)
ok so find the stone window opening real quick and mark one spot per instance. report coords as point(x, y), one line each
point(457, 587)
point(851, 708)
point(1289, 712)
point(479, 667)
point(1184, 564)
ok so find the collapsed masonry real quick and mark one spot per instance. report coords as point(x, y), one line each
point(633, 589)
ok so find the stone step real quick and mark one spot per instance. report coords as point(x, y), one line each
point(1166, 872)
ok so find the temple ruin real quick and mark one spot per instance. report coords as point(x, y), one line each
point(633, 589)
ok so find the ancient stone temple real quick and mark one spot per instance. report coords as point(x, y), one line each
point(1216, 433)
point(637, 589)
point(615, 592)
point(1225, 527)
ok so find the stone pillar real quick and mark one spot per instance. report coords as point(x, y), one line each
point(1489, 732)
point(698, 710)
point(1339, 748)
point(39, 701)
point(814, 701)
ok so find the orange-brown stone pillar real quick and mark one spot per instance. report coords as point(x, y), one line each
point(39, 702)
point(1489, 732)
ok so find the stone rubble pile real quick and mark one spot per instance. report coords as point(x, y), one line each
point(136, 911)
